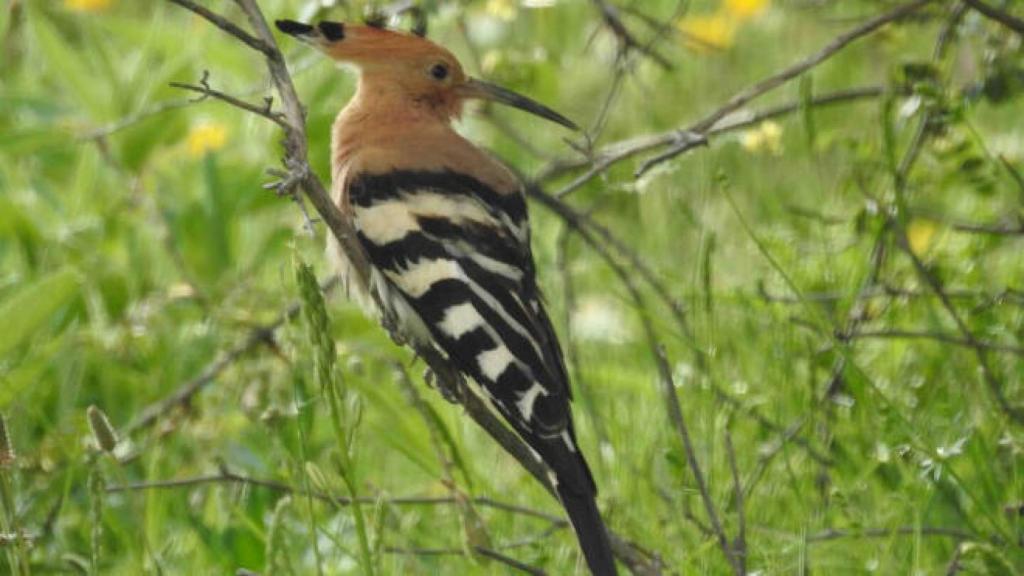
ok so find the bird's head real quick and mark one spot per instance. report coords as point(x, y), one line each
point(425, 72)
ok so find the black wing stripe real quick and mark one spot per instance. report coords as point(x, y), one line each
point(512, 336)
point(442, 295)
point(369, 189)
point(485, 239)
point(505, 292)
point(398, 254)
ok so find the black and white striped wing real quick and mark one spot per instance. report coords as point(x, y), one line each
point(455, 267)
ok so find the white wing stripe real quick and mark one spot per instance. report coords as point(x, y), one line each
point(493, 304)
point(460, 319)
point(494, 361)
point(386, 222)
point(422, 274)
point(456, 208)
point(527, 400)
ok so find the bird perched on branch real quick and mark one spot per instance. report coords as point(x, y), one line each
point(446, 231)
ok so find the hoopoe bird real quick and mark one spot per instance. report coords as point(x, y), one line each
point(445, 227)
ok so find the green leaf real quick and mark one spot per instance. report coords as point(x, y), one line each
point(79, 81)
point(29, 372)
point(32, 305)
point(218, 223)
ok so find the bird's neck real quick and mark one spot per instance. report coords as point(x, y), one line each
point(381, 114)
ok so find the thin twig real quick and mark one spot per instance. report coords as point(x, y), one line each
point(227, 26)
point(260, 335)
point(481, 550)
point(1015, 229)
point(617, 152)
point(880, 251)
point(836, 534)
point(679, 423)
point(935, 336)
point(1007, 296)
point(1003, 17)
point(739, 544)
point(610, 15)
point(897, 224)
point(579, 221)
point(954, 563)
point(225, 476)
point(1015, 413)
point(593, 234)
point(572, 352)
point(204, 89)
point(133, 119)
point(779, 78)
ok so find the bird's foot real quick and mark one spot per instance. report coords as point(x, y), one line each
point(287, 180)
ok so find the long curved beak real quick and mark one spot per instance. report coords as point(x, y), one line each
point(474, 88)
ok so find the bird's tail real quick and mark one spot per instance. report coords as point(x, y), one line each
point(590, 529)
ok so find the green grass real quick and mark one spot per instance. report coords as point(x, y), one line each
point(131, 262)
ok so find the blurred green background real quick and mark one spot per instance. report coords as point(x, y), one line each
point(138, 251)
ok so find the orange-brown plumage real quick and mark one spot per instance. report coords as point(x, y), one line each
point(445, 228)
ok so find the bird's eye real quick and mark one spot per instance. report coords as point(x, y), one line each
point(439, 71)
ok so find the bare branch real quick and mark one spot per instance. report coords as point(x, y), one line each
point(572, 354)
point(1003, 17)
point(481, 550)
point(739, 544)
point(227, 26)
point(1009, 229)
point(260, 335)
point(679, 423)
point(779, 78)
point(627, 42)
point(593, 233)
point(225, 476)
point(1015, 413)
point(204, 89)
point(896, 223)
point(133, 119)
point(835, 534)
point(580, 221)
point(620, 151)
point(954, 563)
point(935, 336)
point(1007, 296)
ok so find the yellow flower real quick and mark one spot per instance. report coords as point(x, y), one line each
point(745, 9)
point(708, 30)
point(501, 9)
point(920, 232)
point(88, 5)
point(766, 136)
point(206, 137)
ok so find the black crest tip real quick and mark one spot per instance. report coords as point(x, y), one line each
point(376, 19)
point(293, 28)
point(419, 22)
point(332, 31)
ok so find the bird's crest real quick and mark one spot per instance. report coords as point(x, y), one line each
point(425, 71)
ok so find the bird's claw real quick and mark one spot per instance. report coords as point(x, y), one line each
point(287, 180)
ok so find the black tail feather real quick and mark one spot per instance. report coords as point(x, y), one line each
point(590, 529)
